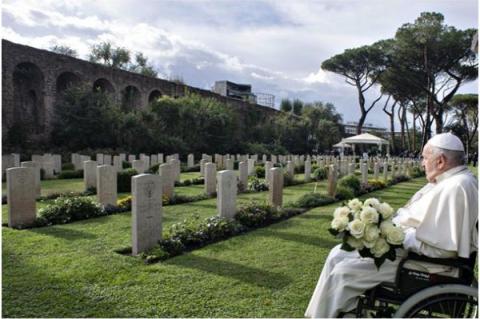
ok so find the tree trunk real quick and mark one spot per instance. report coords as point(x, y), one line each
point(402, 125)
point(361, 102)
point(408, 131)
point(414, 148)
point(438, 116)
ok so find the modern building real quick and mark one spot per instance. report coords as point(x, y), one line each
point(237, 91)
point(351, 129)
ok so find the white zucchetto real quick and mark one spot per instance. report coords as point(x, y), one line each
point(447, 141)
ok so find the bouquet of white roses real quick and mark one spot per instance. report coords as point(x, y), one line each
point(368, 228)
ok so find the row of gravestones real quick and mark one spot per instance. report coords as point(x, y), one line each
point(147, 193)
point(395, 169)
point(52, 163)
point(147, 203)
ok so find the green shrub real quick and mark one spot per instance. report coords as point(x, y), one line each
point(255, 215)
point(320, 174)
point(67, 209)
point(125, 204)
point(375, 184)
point(194, 168)
point(124, 180)
point(288, 180)
point(126, 165)
point(68, 167)
point(193, 233)
point(310, 200)
point(89, 192)
point(153, 169)
point(181, 199)
point(350, 181)
point(398, 179)
point(260, 171)
point(254, 184)
point(343, 193)
point(188, 182)
point(417, 172)
point(70, 174)
point(300, 169)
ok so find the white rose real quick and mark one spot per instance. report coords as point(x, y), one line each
point(356, 215)
point(355, 204)
point(369, 215)
point(385, 225)
point(371, 233)
point(339, 223)
point(372, 202)
point(356, 228)
point(341, 212)
point(395, 236)
point(355, 243)
point(368, 244)
point(380, 248)
point(386, 210)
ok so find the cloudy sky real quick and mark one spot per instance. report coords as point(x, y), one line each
point(277, 46)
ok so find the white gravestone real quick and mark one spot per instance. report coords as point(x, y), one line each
point(268, 167)
point(106, 185)
point(251, 167)
point(275, 189)
point(146, 212)
point(229, 164)
point(36, 168)
point(210, 178)
point(332, 180)
point(166, 171)
point(227, 194)
point(190, 160)
point(90, 174)
point(243, 175)
point(21, 196)
point(308, 170)
point(139, 166)
point(202, 166)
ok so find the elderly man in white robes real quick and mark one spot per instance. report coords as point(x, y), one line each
point(439, 222)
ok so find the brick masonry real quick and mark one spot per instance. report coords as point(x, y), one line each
point(33, 80)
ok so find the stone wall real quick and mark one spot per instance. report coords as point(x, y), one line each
point(33, 80)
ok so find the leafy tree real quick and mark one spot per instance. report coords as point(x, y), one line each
point(141, 66)
point(297, 107)
point(205, 124)
point(120, 58)
point(361, 68)
point(465, 109)
point(85, 119)
point(286, 105)
point(106, 54)
point(65, 50)
point(324, 124)
point(436, 59)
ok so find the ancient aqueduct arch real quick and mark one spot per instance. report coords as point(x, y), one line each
point(33, 81)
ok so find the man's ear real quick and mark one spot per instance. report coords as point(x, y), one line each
point(441, 161)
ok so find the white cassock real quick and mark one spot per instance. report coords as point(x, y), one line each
point(439, 222)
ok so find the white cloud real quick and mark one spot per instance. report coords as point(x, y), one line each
point(277, 46)
point(319, 77)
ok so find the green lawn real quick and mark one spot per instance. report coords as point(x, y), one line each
point(72, 270)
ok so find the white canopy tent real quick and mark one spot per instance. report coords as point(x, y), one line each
point(342, 146)
point(366, 138)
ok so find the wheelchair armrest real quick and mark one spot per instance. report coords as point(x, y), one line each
point(464, 265)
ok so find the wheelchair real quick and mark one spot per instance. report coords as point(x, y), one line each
point(425, 288)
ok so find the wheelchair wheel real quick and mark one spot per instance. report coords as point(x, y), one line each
point(442, 301)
